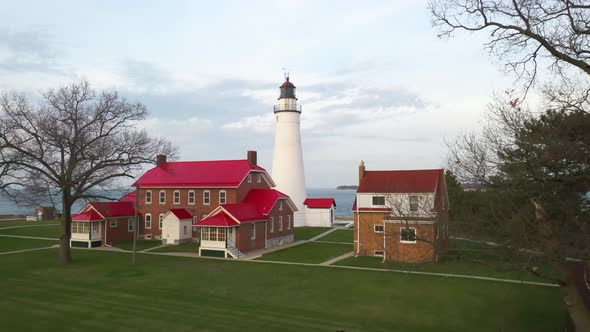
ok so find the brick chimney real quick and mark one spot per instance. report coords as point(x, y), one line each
point(361, 171)
point(160, 159)
point(252, 158)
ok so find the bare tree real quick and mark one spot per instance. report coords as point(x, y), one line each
point(522, 32)
point(76, 140)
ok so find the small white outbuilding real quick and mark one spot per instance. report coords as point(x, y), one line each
point(319, 212)
point(177, 226)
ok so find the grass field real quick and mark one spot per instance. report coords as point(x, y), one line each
point(49, 231)
point(341, 235)
point(101, 291)
point(12, 244)
point(139, 245)
point(306, 233)
point(184, 247)
point(311, 252)
point(26, 223)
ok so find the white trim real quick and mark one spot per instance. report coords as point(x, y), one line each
point(258, 178)
point(111, 220)
point(188, 197)
point(413, 222)
point(249, 177)
point(161, 220)
point(160, 197)
point(150, 195)
point(130, 223)
point(224, 196)
point(174, 197)
point(280, 223)
point(288, 222)
point(145, 219)
point(376, 231)
point(253, 231)
point(400, 234)
point(272, 224)
point(375, 253)
point(209, 194)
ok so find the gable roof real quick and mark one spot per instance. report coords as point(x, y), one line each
point(129, 197)
point(219, 220)
point(404, 181)
point(319, 203)
point(216, 173)
point(114, 209)
point(181, 213)
point(265, 199)
point(90, 215)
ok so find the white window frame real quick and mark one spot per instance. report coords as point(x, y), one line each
point(280, 205)
point(206, 197)
point(377, 196)
point(288, 221)
point(280, 223)
point(224, 196)
point(146, 221)
point(148, 193)
point(375, 226)
point(160, 220)
point(417, 198)
point(249, 178)
point(160, 197)
point(195, 219)
point(378, 253)
point(400, 234)
point(130, 225)
point(189, 197)
point(272, 224)
point(174, 196)
point(253, 231)
point(258, 178)
point(113, 223)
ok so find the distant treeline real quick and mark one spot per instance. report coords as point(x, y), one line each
point(347, 187)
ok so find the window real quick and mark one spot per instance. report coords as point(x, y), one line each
point(281, 206)
point(413, 203)
point(258, 178)
point(148, 197)
point(130, 225)
point(184, 228)
point(148, 221)
point(195, 219)
point(161, 217)
point(80, 228)
point(222, 195)
point(408, 235)
point(289, 222)
point(191, 197)
point(176, 197)
point(113, 223)
point(272, 224)
point(249, 178)
point(378, 228)
point(378, 253)
point(206, 197)
point(253, 231)
point(280, 223)
point(378, 200)
point(162, 197)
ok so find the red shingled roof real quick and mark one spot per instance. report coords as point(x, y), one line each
point(89, 215)
point(216, 173)
point(129, 197)
point(264, 199)
point(219, 220)
point(319, 203)
point(181, 213)
point(409, 181)
point(114, 209)
point(244, 212)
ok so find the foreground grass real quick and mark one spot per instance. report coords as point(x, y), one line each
point(341, 235)
point(101, 291)
point(183, 247)
point(311, 252)
point(13, 244)
point(306, 233)
point(139, 245)
point(46, 230)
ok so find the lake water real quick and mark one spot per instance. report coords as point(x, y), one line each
point(344, 200)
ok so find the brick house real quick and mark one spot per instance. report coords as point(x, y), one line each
point(402, 215)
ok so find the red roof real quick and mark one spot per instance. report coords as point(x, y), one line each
point(410, 181)
point(217, 173)
point(89, 215)
point(114, 209)
point(219, 220)
point(129, 197)
point(265, 199)
point(287, 84)
point(319, 203)
point(244, 212)
point(181, 213)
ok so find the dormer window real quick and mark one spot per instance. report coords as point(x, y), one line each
point(378, 200)
point(249, 178)
point(280, 206)
point(258, 178)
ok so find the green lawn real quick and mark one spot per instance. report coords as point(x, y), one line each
point(469, 258)
point(139, 245)
point(46, 230)
point(12, 244)
point(311, 252)
point(341, 235)
point(26, 223)
point(306, 233)
point(101, 291)
point(184, 247)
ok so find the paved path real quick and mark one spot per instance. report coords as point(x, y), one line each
point(156, 247)
point(339, 258)
point(25, 226)
point(323, 234)
point(25, 250)
point(28, 237)
point(335, 242)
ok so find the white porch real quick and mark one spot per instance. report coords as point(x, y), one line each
point(86, 234)
point(218, 241)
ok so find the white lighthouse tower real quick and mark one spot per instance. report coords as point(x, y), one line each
point(287, 165)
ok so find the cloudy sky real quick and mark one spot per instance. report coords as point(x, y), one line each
point(375, 82)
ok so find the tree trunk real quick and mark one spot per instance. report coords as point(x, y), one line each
point(573, 276)
point(65, 255)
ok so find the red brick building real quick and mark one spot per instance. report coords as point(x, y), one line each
point(100, 223)
point(401, 216)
